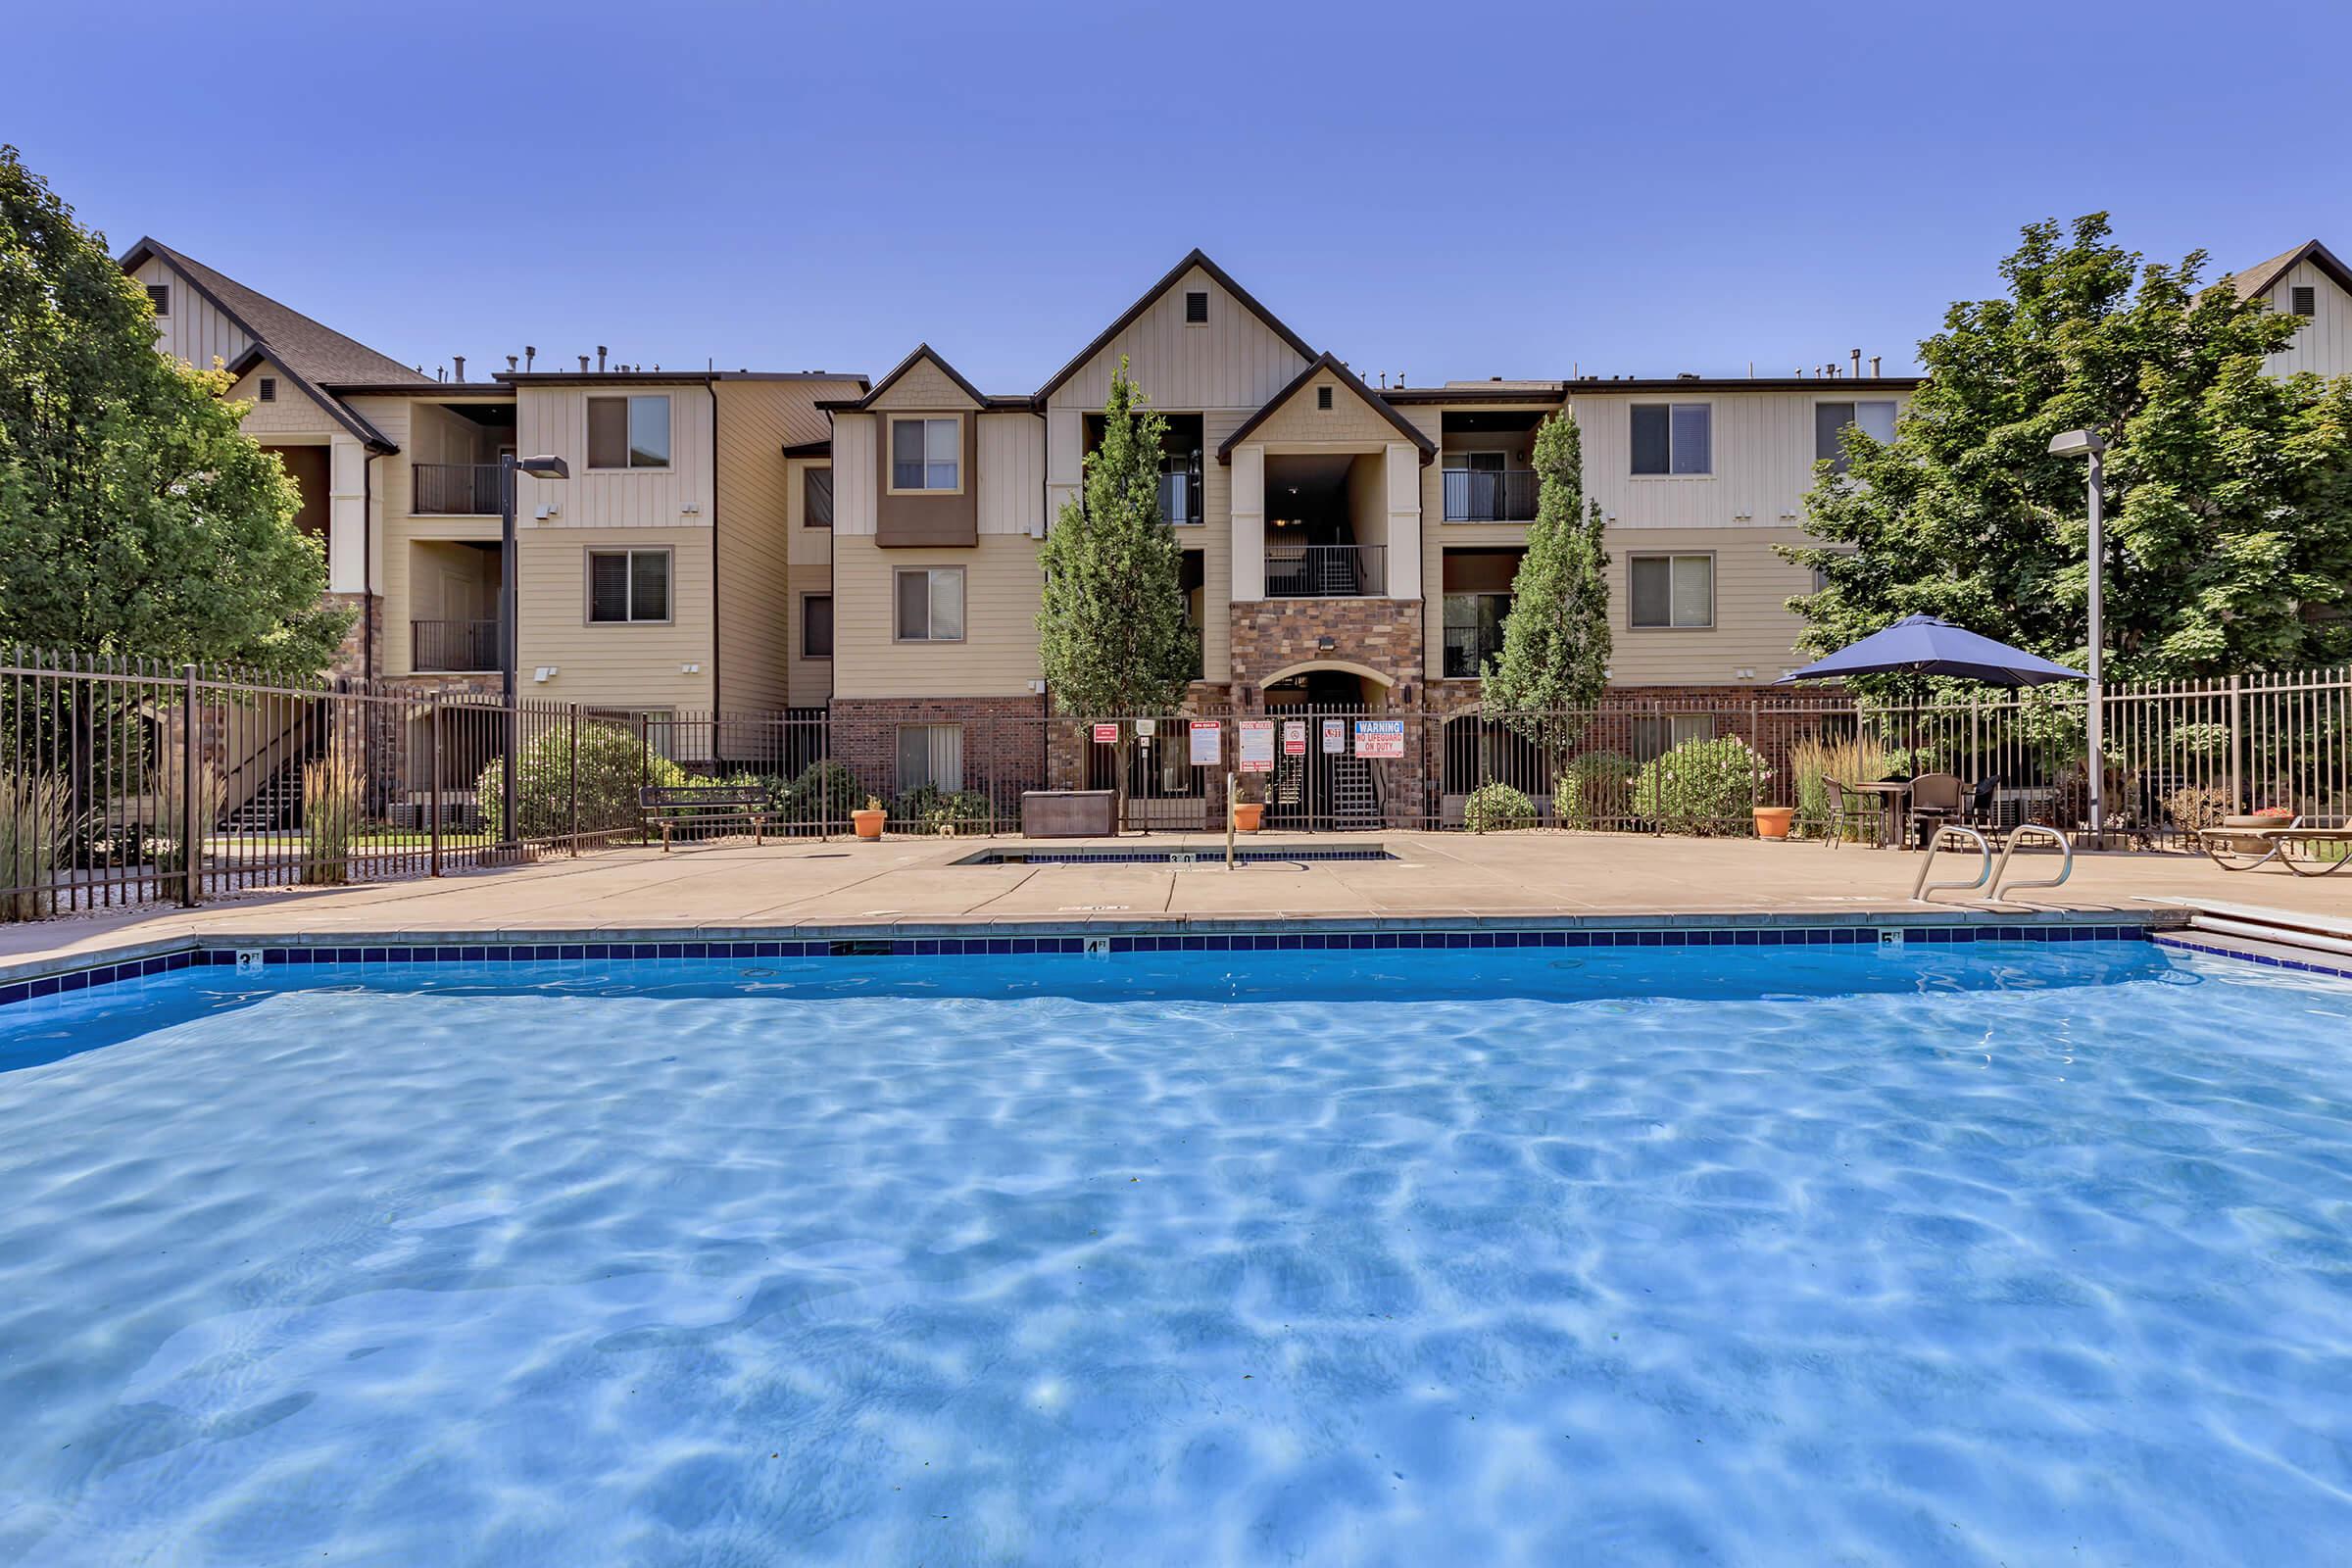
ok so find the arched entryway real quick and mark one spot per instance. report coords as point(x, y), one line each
point(1325, 786)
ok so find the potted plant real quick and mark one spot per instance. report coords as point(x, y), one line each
point(1774, 821)
point(868, 821)
point(1248, 816)
point(2263, 816)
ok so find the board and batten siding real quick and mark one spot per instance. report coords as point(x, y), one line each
point(856, 477)
point(555, 418)
point(998, 655)
point(1013, 474)
point(2324, 344)
point(755, 537)
point(1761, 450)
point(196, 331)
point(1233, 361)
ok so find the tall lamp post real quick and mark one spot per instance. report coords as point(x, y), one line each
point(509, 634)
point(2088, 444)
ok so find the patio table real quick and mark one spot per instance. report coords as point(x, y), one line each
point(1892, 796)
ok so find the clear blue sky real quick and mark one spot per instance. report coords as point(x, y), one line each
point(1444, 189)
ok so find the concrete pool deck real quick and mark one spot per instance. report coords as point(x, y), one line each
point(904, 883)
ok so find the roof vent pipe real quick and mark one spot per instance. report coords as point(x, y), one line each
point(458, 360)
point(583, 364)
point(1856, 355)
point(528, 355)
point(1874, 366)
point(599, 358)
point(511, 364)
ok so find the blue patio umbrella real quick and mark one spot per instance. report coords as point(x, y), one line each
point(1924, 645)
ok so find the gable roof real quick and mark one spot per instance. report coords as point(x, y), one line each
point(1324, 365)
point(310, 353)
point(1195, 258)
point(923, 351)
point(2263, 277)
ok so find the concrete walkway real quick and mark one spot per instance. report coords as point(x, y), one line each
point(736, 888)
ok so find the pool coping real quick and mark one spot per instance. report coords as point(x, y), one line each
point(969, 938)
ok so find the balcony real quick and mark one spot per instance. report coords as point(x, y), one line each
point(1326, 571)
point(1491, 495)
point(453, 645)
point(455, 489)
point(1473, 633)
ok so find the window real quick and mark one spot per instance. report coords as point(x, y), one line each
point(816, 625)
point(932, 755)
point(626, 585)
point(817, 498)
point(1656, 734)
point(931, 604)
point(926, 454)
point(1673, 592)
point(2304, 298)
point(159, 295)
point(1674, 438)
point(1829, 420)
point(628, 432)
point(1322, 397)
point(269, 389)
point(1195, 306)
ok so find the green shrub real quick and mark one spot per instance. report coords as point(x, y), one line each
point(613, 762)
point(1702, 787)
point(824, 792)
point(1814, 762)
point(928, 808)
point(1592, 789)
point(1497, 808)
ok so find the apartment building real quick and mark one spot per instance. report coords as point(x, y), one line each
point(750, 542)
point(651, 579)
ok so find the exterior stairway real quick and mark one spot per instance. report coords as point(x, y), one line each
point(272, 807)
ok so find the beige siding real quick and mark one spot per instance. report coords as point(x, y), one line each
point(754, 536)
point(1762, 457)
point(997, 657)
point(2324, 345)
point(437, 435)
point(1013, 473)
point(295, 412)
point(812, 679)
point(855, 474)
point(925, 386)
point(1349, 422)
point(555, 418)
point(195, 330)
point(1214, 538)
point(1753, 630)
point(1233, 362)
point(636, 666)
point(810, 547)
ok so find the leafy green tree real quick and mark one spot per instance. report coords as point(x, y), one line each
point(135, 516)
point(2228, 491)
point(1111, 634)
point(1554, 661)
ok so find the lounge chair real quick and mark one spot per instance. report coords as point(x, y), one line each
point(2307, 846)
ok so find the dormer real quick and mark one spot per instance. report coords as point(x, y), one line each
point(925, 448)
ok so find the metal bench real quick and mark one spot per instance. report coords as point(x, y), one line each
point(697, 805)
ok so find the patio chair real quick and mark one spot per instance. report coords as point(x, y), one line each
point(1847, 809)
point(1935, 800)
point(1981, 810)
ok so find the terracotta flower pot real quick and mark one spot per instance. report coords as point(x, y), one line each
point(1248, 816)
point(869, 823)
point(1773, 821)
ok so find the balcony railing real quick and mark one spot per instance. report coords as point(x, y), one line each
point(1326, 571)
point(1180, 499)
point(453, 645)
point(455, 489)
point(1491, 495)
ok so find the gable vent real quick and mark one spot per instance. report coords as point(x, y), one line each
point(159, 295)
point(1322, 397)
point(269, 389)
point(1195, 306)
point(2306, 299)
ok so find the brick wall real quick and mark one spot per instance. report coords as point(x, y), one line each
point(1004, 741)
point(1270, 635)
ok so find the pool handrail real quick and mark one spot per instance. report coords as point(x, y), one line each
point(1921, 888)
point(2066, 866)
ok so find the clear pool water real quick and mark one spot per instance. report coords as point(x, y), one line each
point(1992, 1254)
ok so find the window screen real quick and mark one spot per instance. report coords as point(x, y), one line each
point(816, 627)
point(817, 498)
point(1652, 448)
point(932, 755)
point(1672, 592)
point(925, 454)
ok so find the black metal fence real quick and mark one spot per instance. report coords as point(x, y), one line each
point(124, 782)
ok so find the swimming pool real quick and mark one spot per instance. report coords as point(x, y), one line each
point(2010, 1252)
